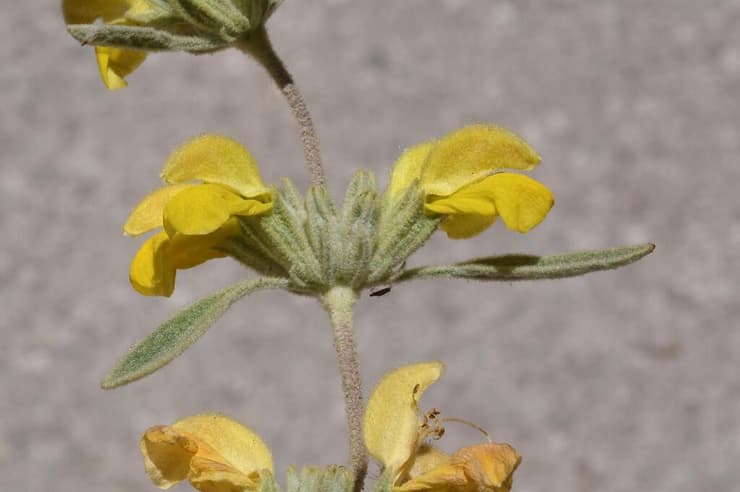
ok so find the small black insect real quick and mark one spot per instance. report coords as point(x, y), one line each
point(380, 292)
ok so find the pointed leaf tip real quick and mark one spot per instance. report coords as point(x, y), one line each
point(179, 332)
point(531, 267)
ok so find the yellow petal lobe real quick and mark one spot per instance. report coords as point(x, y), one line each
point(216, 453)
point(484, 467)
point(189, 251)
point(238, 444)
point(116, 63)
point(152, 272)
point(467, 200)
point(218, 160)
point(391, 421)
point(472, 153)
point(87, 11)
point(466, 226)
point(147, 215)
point(443, 478)
point(408, 168)
point(204, 208)
point(209, 475)
point(468, 212)
point(488, 466)
point(425, 459)
point(167, 455)
point(521, 201)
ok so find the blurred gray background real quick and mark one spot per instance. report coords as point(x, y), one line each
point(612, 382)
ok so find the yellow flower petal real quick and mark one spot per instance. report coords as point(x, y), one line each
point(115, 64)
point(471, 153)
point(139, 8)
point(216, 453)
point(466, 226)
point(425, 459)
point(468, 212)
point(488, 466)
point(219, 160)
point(209, 475)
point(483, 467)
point(153, 269)
point(408, 168)
point(189, 251)
point(443, 478)
point(390, 424)
point(152, 272)
point(467, 200)
point(147, 215)
point(204, 208)
point(521, 201)
point(87, 11)
point(167, 454)
point(241, 446)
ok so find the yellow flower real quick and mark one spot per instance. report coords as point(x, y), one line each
point(197, 217)
point(461, 180)
point(395, 435)
point(213, 452)
point(114, 63)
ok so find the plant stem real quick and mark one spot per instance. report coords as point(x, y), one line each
point(339, 303)
point(258, 45)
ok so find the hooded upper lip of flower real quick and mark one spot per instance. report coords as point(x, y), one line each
point(393, 435)
point(196, 216)
point(461, 180)
point(213, 452)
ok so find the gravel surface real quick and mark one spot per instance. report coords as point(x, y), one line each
point(611, 382)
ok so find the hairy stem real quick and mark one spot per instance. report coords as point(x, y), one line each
point(259, 46)
point(339, 303)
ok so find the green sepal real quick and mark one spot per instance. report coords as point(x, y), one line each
point(529, 267)
point(267, 482)
point(403, 227)
point(179, 332)
point(218, 17)
point(284, 229)
point(385, 482)
point(253, 256)
point(358, 219)
point(257, 11)
point(143, 38)
point(322, 226)
point(333, 478)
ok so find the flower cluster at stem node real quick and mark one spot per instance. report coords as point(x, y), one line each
point(216, 205)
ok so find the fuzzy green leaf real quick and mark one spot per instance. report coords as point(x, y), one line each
point(528, 267)
point(142, 38)
point(179, 332)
